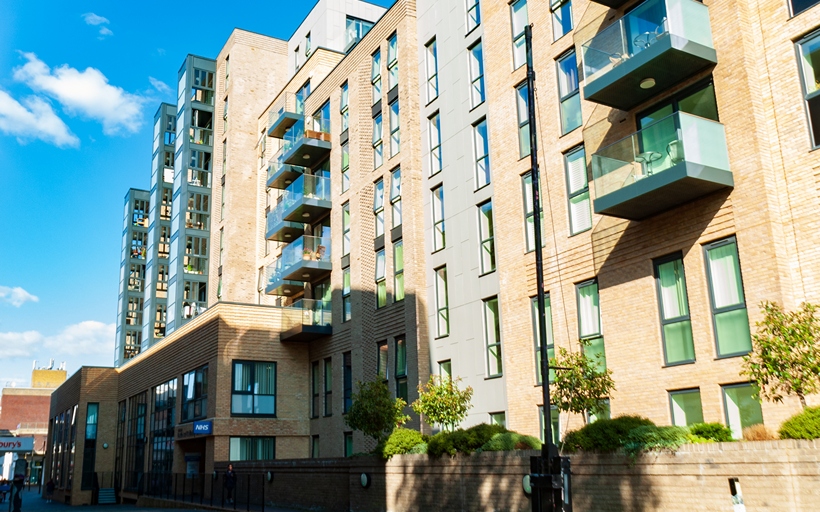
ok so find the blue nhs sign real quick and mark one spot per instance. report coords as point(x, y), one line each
point(203, 428)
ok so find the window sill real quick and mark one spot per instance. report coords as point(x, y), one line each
point(472, 30)
point(478, 105)
point(435, 251)
point(579, 232)
point(442, 336)
point(682, 363)
point(730, 356)
point(493, 377)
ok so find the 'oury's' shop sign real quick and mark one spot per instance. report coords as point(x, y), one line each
point(197, 428)
point(16, 444)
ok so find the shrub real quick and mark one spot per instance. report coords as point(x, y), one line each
point(375, 412)
point(759, 432)
point(402, 440)
point(692, 438)
point(604, 435)
point(805, 425)
point(419, 448)
point(440, 444)
point(509, 441)
point(464, 441)
point(651, 437)
point(713, 431)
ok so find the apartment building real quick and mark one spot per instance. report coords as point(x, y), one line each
point(133, 257)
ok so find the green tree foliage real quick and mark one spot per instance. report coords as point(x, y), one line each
point(785, 356)
point(805, 425)
point(442, 402)
point(374, 412)
point(401, 441)
point(603, 436)
point(582, 385)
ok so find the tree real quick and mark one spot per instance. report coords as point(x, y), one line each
point(374, 412)
point(582, 384)
point(442, 402)
point(785, 356)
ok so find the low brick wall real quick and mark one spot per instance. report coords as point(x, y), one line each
point(774, 476)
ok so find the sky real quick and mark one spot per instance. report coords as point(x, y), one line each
point(79, 85)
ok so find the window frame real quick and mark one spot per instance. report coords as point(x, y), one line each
point(486, 239)
point(672, 393)
point(555, 7)
point(814, 134)
point(376, 77)
point(315, 389)
point(255, 440)
point(253, 363)
point(578, 193)
point(346, 239)
point(438, 217)
point(398, 271)
point(344, 105)
point(476, 67)
point(485, 157)
point(396, 217)
point(378, 143)
point(401, 373)
point(656, 264)
point(599, 334)
point(345, 166)
point(526, 122)
point(378, 206)
point(327, 378)
point(381, 279)
point(496, 342)
point(723, 389)
point(347, 306)
point(517, 36)
point(537, 338)
point(792, 12)
point(347, 381)
point(572, 94)
point(202, 398)
point(382, 370)
point(710, 285)
point(472, 5)
point(435, 144)
point(439, 294)
point(392, 61)
point(432, 78)
point(394, 124)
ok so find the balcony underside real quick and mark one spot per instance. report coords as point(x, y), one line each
point(668, 61)
point(284, 176)
point(309, 151)
point(305, 333)
point(286, 231)
point(307, 270)
point(663, 191)
point(307, 210)
point(284, 288)
point(285, 121)
point(613, 4)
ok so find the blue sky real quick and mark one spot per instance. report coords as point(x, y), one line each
point(79, 85)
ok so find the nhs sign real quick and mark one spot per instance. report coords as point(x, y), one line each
point(203, 428)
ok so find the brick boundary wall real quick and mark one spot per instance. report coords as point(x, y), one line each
point(774, 476)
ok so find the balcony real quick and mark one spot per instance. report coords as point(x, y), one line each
point(285, 113)
point(306, 320)
point(655, 46)
point(281, 175)
point(307, 142)
point(613, 4)
point(671, 162)
point(305, 200)
point(306, 259)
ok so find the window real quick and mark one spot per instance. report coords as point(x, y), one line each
point(254, 388)
point(604, 414)
point(442, 312)
point(809, 50)
point(347, 381)
point(555, 418)
point(568, 92)
point(445, 370)
point(529, 213)
point(686, 407)
point(378, 149)
point(308, 45)
point(163, 424)
point(296, 58)
point(344, 107)
point(742, 408)
point(378, 206)
point(435, 143)
point(252, 448)
point(561, 18)
point(195, 260)
point(196, 136)
point(315, 386)
point(199, 171)
point(345, 166)
point(485, 234)
point(198, 214)
point(729, 316)
point(381, 362)
point(392, 62)
point(355, 30)
point(482, 153)
point(798, 6)
point(398, 271)
point(431, 65)
point(195, 394)
point(221, 245)
point(589, 322)
point(519, 21)
point(492, 337)
point(401, 368)
point(90, 445)
point(522, 104)
point(476, 75)
point(345, 229)
point(395, 133)
point(579, 206)
point(328, 386)
point(314, 447)
point(473, 14)
point(395, 198)
point(376, 77)
point(676, 327)
point(381, 284)
point(536, 334)
point(348, 436)
point(439, 239)
point(346, 310)
point(498, 418)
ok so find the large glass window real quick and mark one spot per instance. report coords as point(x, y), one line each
point(381, 283)
point(442, 310)
point(347, 313)
point(686, 407)
point(431, 65)
point(561, 18)
point(486, 236)
point(163, 422)
point(398, 271)
point(328, 386)
point(676, 327)
point(473, 14)
point(355, 30)
point(395, 131)
point(550, 342)
point(395, 198)
point(252, 448)
point(90, 445)
point(378, 206)
point(392, 62)
point(729, 315)
point(589, 322)
point(381, 362)
point(345, 229)
point(492, 337)
point(254, 388)
point(481, 143)
point(579, 205)
point(378, 147)
point(568, 92)
point(476, 75)
point(809, 50)
point(742, 408)
point(435, 143)
point(195, 394)
point(439, 239)
point(522, 104)
point(798, 6)
point(376, 77)
point(518, 10)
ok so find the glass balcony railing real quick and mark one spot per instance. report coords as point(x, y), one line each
point(289, 109)
point(674, 160)
point(203, 136)
point(302, 260)
point(280, 174)
point(654, 46)
point(307, 194)
point(306, 320)
point(307, 141)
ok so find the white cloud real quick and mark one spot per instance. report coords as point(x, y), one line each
point(35, 119)
point(19, 344)
point(159, 85)
point(105, 31)
point(86, 93)
point(93, 19)
point(16, 296)
point(87, 343)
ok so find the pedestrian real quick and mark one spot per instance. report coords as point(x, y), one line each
point(4, 488)
point(49, 490)
point(230, 482)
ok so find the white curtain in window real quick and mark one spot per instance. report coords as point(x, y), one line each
point(588, 311)
point(725, 272)
point(673, 290)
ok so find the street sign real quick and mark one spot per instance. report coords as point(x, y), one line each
point(203, 427)
point(16, 444)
